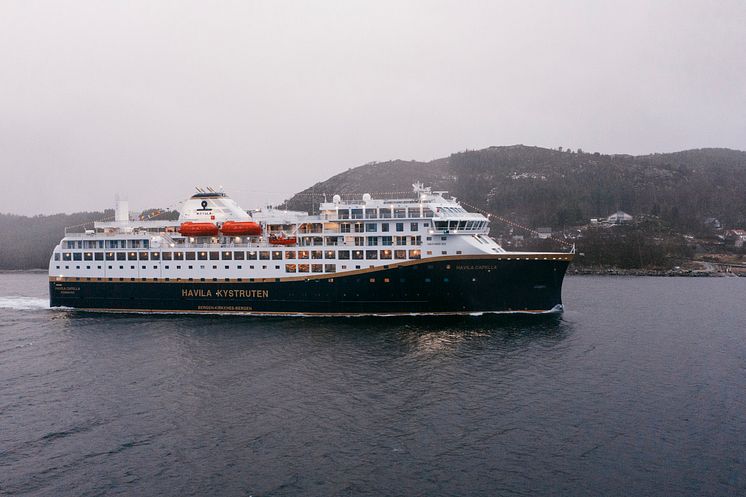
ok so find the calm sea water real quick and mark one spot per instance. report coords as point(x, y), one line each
point(638, 389)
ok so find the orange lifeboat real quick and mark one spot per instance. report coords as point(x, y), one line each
point(281, 239)
point(198, 229)
point(241, 228)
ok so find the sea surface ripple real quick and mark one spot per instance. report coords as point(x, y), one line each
point(638, 389)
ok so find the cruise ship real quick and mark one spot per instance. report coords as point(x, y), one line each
point(422, 255)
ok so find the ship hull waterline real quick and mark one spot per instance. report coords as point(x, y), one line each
point(458, 286)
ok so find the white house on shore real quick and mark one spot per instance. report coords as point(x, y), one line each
point(619, 217)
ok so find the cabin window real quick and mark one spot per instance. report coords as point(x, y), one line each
point(317, 254)
point(317, 268)
point(357, 254)
point(239, 255)
point(370, 227)
point(400, 212)
point(302, 254)
point(329, 254)
point(290, 268)
point(214, 256)
point(228, 256)
point(143, 256)
point(264, 255)
point(414, 254)
point(67, 256)
point(330, 268)
point(385, 227)
point(416, 240)
point(88, 256)
point(413, 227)
point(384, 213)
point(343, 254)
point(414, 212)
point(372, 240)
point(400, 254)
point(167, 256)
point(385, 254)
point(401, 240)
point(344, 227)
point(202, 256)
point(371, 214)
point(290, 254)
point(57, 256)
point(99, 256)
point(302, 268)
point(371, 254)
point(359, 241)
point(357, 214)
point(276, 255)
point(251, 256)
point(358, 227)
point(77, 256)
point(190, 256)
point(155, 256)
point(399, 226)
point(109, 256)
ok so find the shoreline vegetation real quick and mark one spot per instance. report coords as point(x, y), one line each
point(673, 214)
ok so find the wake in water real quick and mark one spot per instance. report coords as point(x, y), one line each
point(23, 303)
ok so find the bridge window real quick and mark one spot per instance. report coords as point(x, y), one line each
point(371, 213)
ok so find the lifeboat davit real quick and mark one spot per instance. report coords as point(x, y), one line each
point(281, 239)
point(241, 228)
point(198, 229)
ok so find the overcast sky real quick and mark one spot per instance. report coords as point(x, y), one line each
point(148, 99)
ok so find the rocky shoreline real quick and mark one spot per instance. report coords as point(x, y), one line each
point(582, 271)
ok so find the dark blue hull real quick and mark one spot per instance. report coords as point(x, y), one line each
point(459, 285)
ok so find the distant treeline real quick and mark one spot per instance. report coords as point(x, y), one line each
point(530, 185)
point(26, 242)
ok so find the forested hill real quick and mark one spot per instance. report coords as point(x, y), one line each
point(547, 187)
point(26, 242)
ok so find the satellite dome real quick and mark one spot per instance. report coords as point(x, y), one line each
point(336, 199)
point(366, 197)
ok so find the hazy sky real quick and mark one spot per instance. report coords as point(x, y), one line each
point(148, 99)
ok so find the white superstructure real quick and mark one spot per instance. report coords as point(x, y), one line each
point(344, 236)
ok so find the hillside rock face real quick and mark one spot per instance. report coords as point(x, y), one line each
point(546, 187)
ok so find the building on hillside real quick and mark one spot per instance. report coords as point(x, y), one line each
point(735, 238)
point(619, 217)
point(712, 223)
point(544, 233)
